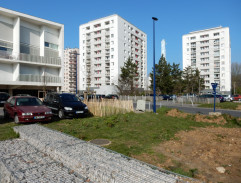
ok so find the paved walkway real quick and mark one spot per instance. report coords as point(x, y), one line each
point(45, 155)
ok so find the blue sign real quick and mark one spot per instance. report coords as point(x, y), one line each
point(214, 85)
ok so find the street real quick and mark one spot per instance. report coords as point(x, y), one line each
point(188, 108)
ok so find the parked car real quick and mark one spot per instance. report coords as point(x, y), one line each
point(65, 105)
point(111, 96)
point(220, 97)
point(237, 97)
point(3, 98)
point(26, 109)
point(228, 98)
point(169, 97)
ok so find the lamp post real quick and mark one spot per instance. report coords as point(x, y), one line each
point(154, 70)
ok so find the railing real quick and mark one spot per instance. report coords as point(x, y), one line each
point(31, 58)
point(39, 59)
point(5, 54)
point(37, 78)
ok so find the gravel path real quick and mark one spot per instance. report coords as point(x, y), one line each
point(21, 162)
point(45, 155)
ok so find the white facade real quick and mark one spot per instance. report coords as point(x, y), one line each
point(70, 66)
point(163, 48)
point(210, 51)
point(105, 44)
point(31, 52)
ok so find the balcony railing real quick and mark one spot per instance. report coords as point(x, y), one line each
point(39, 79)
point(31, 58)
point(6, 55)
point(39, 59)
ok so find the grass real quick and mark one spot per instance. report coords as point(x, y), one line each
point(223, 105)
point(131, 133)
point(6, 130)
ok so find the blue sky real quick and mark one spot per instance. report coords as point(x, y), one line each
point(176, 18)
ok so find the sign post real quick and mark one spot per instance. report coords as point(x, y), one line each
point(214, 85)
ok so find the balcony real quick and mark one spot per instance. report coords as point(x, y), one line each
point(107, 40)
point(39, 59)
point(6, 55)
point(39, 79)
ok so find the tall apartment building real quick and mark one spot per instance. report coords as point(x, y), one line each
point(70, 67)
point(210, 51)
point(31, 53)
point(105, 44)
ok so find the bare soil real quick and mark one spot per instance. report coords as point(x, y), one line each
point(176, 113)
point(202, 151)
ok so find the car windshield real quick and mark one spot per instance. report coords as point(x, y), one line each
point(69, 98)
point(28, 102)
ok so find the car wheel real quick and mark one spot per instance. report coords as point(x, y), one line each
point(6, 116)
point(16, 120)
point(61, 114)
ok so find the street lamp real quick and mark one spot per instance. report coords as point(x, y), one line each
point(154, 70)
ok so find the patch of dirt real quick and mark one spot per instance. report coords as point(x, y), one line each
point(176, 113)
point(210, 119)
point(203, 150)
point(238, 107)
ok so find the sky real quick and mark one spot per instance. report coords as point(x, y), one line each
point(175, 18)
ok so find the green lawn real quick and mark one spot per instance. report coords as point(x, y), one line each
point(6, 130)
point(223, 105)
point(131, 133)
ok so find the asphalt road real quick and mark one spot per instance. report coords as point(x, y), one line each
point(188, 108)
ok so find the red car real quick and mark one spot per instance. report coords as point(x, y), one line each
point(237, 97)
point(26, 109)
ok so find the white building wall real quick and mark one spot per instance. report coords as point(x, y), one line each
point(23, 58)
point(116, 46)
point(210, 52)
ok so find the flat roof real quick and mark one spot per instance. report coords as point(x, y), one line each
point(204, 30)
point(99, 19)
point(29, 18)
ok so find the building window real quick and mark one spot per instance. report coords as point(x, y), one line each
point(112, 35)
point(51, 45)
point(193, 38)
point(216, 34)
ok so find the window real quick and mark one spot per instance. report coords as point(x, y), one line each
point(88, 28)
point(193, 38)
point(51, 45)
point(216, 34)
point(112, 21)
point(204, 36)
point(112, 56)
point(112, 35)
point(107, 23)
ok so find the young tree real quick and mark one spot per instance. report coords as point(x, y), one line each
point(192, 80)
point(163, 76)
point(127, 78)
point(177, 82)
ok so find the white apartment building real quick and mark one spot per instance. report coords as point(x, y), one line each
point(70, 66)
point(210, 51)
point(31, 53)
point(105, 44)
